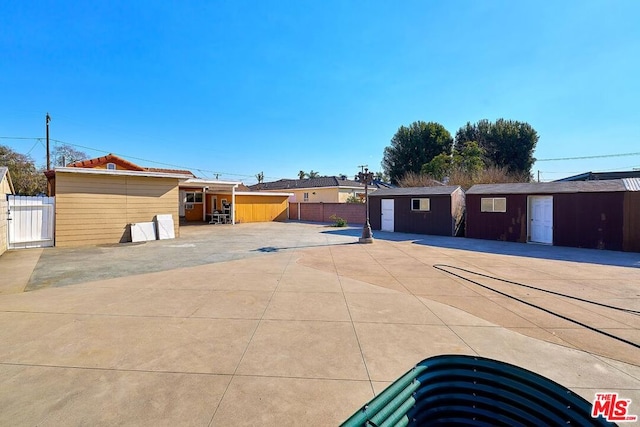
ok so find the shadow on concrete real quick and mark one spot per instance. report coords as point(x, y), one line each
point(591, 256)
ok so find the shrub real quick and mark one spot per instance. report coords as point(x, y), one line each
point(337, 221)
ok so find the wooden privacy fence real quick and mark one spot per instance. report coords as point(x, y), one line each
point(353, 213)
point(31, 222)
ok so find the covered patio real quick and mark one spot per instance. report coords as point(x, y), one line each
point(221, 202)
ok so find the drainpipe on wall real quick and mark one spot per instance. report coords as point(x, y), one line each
point(204, 203)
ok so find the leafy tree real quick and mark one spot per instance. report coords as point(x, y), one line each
point(313, 174)
point(413, 146)
point(26, 178)
point(506, 143)
point(438, 167)
point(381, 176)
point(302, 174)
point(65, 154)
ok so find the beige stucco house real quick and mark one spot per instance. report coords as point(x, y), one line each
point(328, 189)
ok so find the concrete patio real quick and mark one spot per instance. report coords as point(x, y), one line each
point(293, 324)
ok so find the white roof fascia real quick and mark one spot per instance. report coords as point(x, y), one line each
point(262, 193)
point(117, 172)
point(200, 182)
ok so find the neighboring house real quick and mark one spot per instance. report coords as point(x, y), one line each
point(424, 210)
point(594, 176)
point(98, 199)
point(6, 189)
point(327, 189)
point(602, 214)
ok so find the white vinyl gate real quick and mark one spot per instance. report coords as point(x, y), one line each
point(31, 221)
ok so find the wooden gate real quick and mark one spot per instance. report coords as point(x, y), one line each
point(31, 222)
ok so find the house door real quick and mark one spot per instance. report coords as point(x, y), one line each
point(541, 219)
point(387, 219)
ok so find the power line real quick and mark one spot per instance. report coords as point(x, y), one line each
point(602, 156)
point(212, 172)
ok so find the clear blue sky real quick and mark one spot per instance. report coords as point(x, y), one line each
point(241, 87)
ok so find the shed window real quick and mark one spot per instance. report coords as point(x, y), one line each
point(493, 204)
point(193, 197)
point(305, 196)
point(420, 205)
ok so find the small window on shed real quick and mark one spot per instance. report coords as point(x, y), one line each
point(111, 166)
point(493, 204)
point(420, 205)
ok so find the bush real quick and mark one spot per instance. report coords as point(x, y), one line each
point(354, 199)
point(337, 221)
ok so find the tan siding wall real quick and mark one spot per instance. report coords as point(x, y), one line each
point(4, 187)
point(4, 208)
point(92, 209)
point(261, 208)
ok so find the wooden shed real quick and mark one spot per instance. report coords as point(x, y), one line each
point(96, 206)
point(587, 214)
point(422, 210)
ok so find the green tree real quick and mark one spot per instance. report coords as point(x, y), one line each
point(413, 146)
point(65, 154)
point(27, 179)
point(313, 174)
point(470, 158)
point(438, 167)
point(506, 143)
point(302, 174)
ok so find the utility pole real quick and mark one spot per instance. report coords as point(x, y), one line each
point(362, 168)
point(48, 119)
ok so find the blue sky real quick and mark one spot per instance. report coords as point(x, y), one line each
point(239, 87)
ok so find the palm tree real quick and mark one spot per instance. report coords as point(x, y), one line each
point(302, 174)
point(313, 174)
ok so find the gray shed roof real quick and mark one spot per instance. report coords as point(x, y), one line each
point(415, 191)
point(608, 186)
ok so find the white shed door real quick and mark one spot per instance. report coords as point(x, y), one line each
point(387, 215)
point(541, 219)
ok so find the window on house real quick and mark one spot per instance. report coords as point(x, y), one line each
point(305, 196)
point(420, 205)
point(493, 204)
point(193, 197)
point(111, 166)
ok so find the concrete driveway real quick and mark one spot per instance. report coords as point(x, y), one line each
point(295, 324)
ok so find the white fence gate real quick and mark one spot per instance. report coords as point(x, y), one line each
point(31, 221)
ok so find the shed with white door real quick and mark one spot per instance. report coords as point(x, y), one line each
point(423, 210)
point(588, 214)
